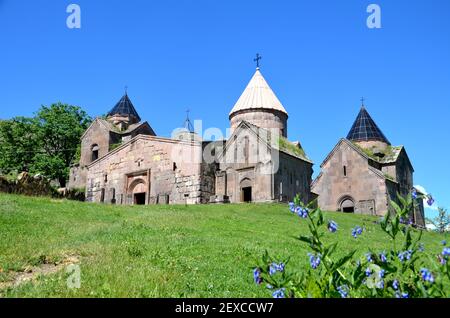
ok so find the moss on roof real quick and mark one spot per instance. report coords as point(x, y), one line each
point(291, 148)
point(389, 154)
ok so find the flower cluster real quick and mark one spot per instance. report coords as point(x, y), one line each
point(332, 226)
point(395, 284)
point(301, 212)
point(357, 231)
point(430, 200)
point(314, 260)
point(426, 275)
point(405, 256)
point(274, 267)
point(446, 252)
point(257, 276)
point(279, 293)
point(343, 291)
point(373, 274)
point(414, 193)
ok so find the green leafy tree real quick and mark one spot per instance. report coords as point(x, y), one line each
point(18, 144)
point(441, 222)
point(58, 129)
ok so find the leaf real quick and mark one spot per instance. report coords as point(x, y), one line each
point(343, 260)
point(396, 207)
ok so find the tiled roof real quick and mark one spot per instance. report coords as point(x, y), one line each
point(257, 95)
point(365, 129)
point(124, 107)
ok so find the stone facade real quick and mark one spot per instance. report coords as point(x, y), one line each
point(124, 162)
point(364, 173)
point(151, 170)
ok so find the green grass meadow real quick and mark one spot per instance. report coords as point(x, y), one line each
point(161, 251)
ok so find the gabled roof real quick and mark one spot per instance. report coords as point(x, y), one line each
point(258, 95)
point(365, 129)
point(284, 146)
point(110, 127)
point(124, 107)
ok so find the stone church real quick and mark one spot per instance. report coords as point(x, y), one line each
point(123, 161)
point(364, 172)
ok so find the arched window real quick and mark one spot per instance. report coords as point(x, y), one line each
point(94, 149)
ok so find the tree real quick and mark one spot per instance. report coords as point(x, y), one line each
point(442, 221)
point(18, 144)
point(46, 143)
point(58, 129)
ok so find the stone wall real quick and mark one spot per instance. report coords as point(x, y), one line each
point(168, 171)
point(358, 181)
point(293, 177)
point(264, 118)
point(27, 184)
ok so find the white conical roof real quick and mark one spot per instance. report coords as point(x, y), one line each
point(258, 94)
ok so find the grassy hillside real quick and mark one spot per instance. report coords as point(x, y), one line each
point(158, 251)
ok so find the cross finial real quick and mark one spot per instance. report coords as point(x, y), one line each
point(257, 59)
point(362, 101)
point(187, 123)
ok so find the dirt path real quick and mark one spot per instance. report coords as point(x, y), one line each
point(32, 273)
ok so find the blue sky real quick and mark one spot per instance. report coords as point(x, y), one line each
point(318, 56)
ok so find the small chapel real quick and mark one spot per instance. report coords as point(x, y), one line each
point(364, 172)
point(123, 160)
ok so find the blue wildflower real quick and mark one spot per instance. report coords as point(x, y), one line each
point(274, 267)
point(314, 260)
point(304, 213)
point(446, 252)
point(279, 293)
point(414, 193)
point(442, 260)
point(395, 284)
point(343, 291)
point(380, 284)
point(381, 273)
point(369, 257)
point(430, 200)
point(383, 257)
point(357, 231)
point(402, 295)
point(292, 207)
point(406, 255)
point(257, 276)
point(368, 272)
point(444, 242)
point(426, 275)
point(332, 226)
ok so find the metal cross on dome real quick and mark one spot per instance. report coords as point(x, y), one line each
point(257, 59)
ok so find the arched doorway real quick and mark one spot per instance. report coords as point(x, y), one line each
point(347, 205)
point(138, 190)
point(246, 190)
